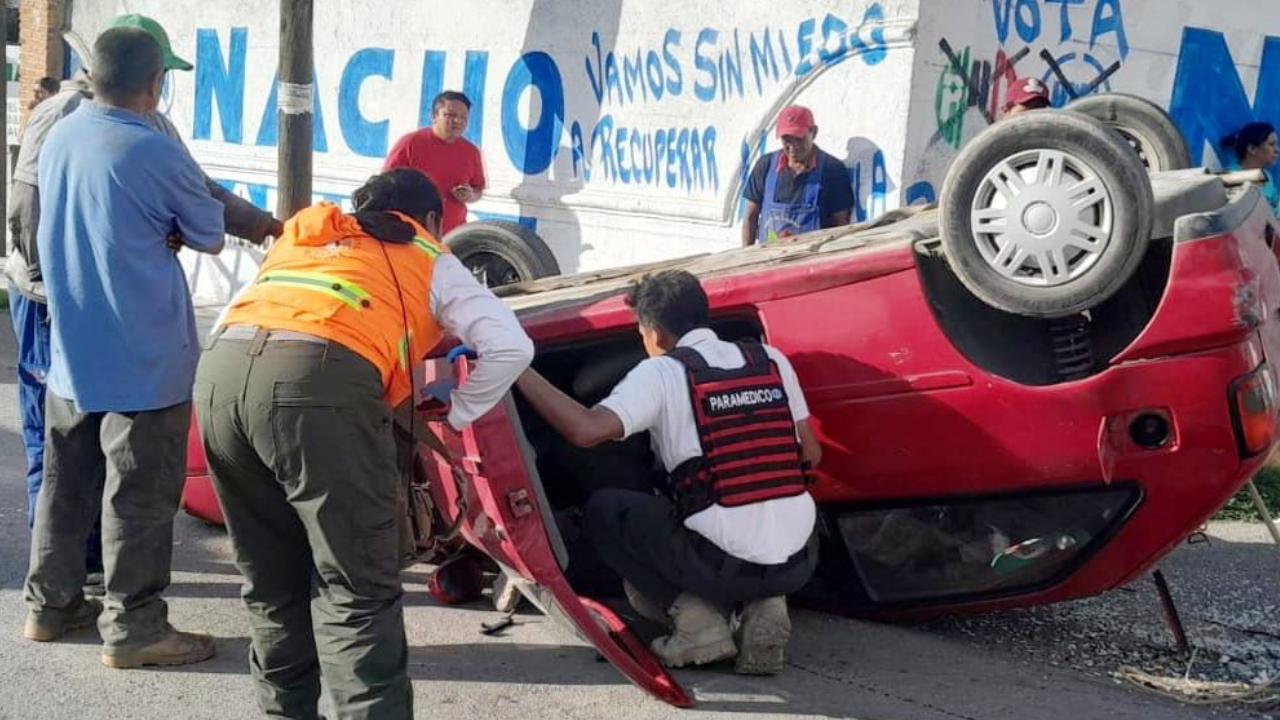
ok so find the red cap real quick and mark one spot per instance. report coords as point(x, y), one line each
point(1027, 91)
point(795, 120)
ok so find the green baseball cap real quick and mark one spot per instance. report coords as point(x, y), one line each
point(153, 28)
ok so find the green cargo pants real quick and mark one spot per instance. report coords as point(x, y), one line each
point(300, 447)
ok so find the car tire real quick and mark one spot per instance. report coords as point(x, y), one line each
point(1143, 124)
point(499, 252)
point(1046, 215)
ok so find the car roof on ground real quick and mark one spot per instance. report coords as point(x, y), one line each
point(906, 225)
point(1176, 193)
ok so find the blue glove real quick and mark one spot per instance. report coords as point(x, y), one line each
point(434, 397)
point(459, 350)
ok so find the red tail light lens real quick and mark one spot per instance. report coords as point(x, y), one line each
point(1253, 406)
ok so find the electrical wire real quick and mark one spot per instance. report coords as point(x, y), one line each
point(408, 352)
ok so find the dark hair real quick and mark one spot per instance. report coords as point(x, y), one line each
point(1251, 135)
point(126, 61)
point(672, 300)
point(406, 190)
point(48, 84)
point(446, 96)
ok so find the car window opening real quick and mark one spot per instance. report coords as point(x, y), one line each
point(588, 371)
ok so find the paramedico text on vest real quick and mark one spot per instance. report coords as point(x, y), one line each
point(750, 452)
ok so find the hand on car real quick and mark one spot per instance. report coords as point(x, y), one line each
point(464, 193)
point(435, 398)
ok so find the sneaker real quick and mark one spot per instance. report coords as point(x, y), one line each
point(647, 608)
point(701, 634)
point(58, 623)
point(763, 640)
point(173, 648)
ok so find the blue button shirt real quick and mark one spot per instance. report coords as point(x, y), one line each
point(123, 328)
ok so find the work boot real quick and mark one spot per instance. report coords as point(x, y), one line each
point(701, 634)
point(54, 624)
point(173, 648)
point(762, 644)
point(647, 608)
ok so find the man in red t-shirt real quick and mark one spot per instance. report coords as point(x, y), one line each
point(450, 160)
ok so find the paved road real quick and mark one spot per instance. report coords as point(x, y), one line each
point(839, 668)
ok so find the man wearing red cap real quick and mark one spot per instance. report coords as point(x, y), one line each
point(1026, 94)
point(797, 189)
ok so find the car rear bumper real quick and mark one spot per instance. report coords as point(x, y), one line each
point(1176, 487)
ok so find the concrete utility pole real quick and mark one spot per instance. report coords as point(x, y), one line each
point(297, 75)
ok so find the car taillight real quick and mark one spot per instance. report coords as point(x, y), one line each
point(1249, 309)
point(1253, 407)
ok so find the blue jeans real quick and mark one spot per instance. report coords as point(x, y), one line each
point(31, 327)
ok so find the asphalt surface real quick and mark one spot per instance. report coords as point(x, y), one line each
point(988, 668)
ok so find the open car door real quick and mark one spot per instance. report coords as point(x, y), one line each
point(490, 478)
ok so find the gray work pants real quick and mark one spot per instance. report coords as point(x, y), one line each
point(300, 447)
point(143, 458)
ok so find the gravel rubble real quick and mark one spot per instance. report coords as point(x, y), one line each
point(1227, 591)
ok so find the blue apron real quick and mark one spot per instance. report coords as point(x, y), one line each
point(779, 220)
point(1270, 190)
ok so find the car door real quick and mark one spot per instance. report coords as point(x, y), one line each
point(491, 481)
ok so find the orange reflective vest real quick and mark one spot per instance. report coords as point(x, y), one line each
point(327, 276)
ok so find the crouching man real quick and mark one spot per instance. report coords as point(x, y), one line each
point(730, 425)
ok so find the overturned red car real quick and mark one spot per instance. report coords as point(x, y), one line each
point(1029, 394)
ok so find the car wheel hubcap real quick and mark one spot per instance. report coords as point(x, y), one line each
point(1042, 218)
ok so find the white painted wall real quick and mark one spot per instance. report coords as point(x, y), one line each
point(1163, 50)
point(593, 213)
point(872, 70)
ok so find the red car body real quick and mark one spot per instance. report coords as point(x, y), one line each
point(959, 472)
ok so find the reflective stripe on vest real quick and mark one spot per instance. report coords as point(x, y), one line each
point(421, 243)
point(328, 276)
point(750, 452)
point(331, 285)
point(405, 341)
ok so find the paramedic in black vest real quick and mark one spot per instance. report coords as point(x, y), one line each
point(735, 528)
point(798, 188)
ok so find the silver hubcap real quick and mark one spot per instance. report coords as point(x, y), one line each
point(1042, 218)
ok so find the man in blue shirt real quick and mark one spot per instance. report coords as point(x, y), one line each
point(28, 305)
point(124, 352)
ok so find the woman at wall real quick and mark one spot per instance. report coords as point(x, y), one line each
point(1255, 148)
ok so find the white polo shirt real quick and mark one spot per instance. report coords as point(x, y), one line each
point(654, 396)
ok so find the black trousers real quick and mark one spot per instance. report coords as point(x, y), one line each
point(640, 537)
